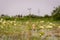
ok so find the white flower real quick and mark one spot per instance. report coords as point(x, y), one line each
point(33, 25)
point(42, 27)
point(4, 22)
point(1, 19)
point(41, 21)
point(48, 26)
point(14, 24)
point(27, 22)
point(40, 34)
point(11, 22)
point(50, 23)
point(58, 26)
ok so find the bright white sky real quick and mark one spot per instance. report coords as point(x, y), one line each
point(13, 7)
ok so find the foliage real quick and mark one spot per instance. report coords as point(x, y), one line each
point(55, 16)
point(56, 13)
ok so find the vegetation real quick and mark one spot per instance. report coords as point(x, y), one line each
point(55, 16)
point(30, 27)
point(56, 13)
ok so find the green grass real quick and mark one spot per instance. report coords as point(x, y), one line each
point(23, 29)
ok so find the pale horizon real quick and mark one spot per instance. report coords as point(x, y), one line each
point(15, 7)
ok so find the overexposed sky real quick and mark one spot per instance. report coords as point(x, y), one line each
point(13, 7)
